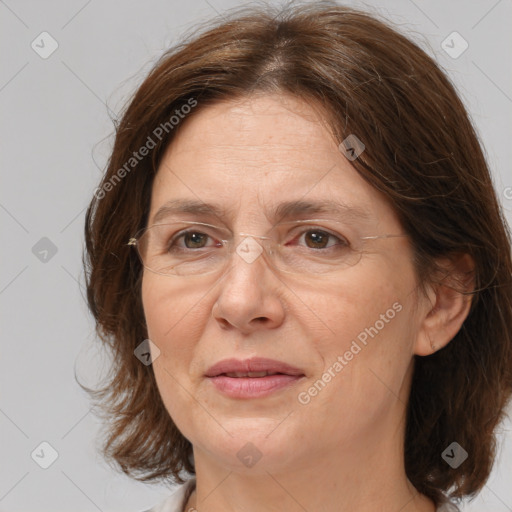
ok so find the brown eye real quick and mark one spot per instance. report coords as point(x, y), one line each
point(190, 240)
point(316, 239)
point(319, 239)
point(195, 238)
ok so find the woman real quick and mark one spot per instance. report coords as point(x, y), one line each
point(299, 262)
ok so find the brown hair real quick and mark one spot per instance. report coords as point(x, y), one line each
point(422, 152)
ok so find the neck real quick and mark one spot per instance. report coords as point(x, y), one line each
point(356, 479)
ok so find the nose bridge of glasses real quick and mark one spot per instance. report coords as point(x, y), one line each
point(250, 247)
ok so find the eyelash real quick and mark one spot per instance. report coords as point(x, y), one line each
point(341, 241)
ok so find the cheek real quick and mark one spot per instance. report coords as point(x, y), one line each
point(368, 323)
point(171, 318)
point(173, 325)
point(344, 311)
point(170, 310)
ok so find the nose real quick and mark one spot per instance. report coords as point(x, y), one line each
point(248, 296)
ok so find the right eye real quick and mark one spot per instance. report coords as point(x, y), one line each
point(192, 239)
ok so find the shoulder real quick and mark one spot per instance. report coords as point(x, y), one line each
point(176, 500)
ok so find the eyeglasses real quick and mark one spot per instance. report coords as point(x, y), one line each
point(186, 248)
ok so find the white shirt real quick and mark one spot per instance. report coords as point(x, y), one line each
point(176, 501)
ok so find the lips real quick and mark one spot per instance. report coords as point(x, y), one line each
point(256, 367)
point(252, 378)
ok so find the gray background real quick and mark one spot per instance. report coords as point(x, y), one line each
point(55, 139)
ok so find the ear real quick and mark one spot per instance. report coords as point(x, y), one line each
point(443, 312)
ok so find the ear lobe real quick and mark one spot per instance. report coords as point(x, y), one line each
point(446, 308)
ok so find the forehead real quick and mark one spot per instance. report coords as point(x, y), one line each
point(252, 154)
point(252, 132)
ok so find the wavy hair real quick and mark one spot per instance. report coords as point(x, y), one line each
point(422, 153)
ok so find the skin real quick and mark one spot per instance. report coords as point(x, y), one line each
point(342, 451)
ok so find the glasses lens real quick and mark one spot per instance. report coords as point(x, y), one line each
point(183, 249)
point(312, 250)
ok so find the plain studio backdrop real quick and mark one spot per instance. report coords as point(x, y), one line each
point(64, 65)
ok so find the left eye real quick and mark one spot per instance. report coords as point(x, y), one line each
point(319, 239)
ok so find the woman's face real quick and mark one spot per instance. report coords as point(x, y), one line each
point(350, 334)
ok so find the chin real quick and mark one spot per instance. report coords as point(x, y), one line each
point(255, 446)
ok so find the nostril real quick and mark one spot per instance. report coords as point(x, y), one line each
point(224, 323)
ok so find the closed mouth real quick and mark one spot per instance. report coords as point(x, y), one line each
point(251, 374)
point(256, 367)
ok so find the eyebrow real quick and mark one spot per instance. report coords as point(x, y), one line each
point(283, 211)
